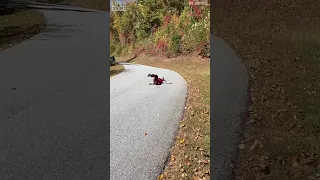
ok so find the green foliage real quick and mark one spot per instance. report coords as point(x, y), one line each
point(174, 45)
point(112, 48)
point(167, 27)
point(197, 35)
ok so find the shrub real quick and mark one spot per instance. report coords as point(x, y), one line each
point(174, 45)
point(169, 31)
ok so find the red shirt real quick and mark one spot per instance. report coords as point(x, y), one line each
point(159, 82)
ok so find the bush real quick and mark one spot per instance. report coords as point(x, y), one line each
point(165, 32)
point(174, 45)
point(112, 48)
point(198, 35)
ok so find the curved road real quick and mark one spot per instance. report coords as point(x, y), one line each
point(144, 120)
point(229, 102)
point(54, 121)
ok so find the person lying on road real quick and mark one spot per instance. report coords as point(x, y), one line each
point(157, 80)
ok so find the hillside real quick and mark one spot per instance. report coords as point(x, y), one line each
point(279, 43)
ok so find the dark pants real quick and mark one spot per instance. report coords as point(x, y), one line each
point(156, 80)
point(155, 77)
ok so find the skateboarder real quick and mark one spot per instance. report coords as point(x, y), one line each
point(156, 79)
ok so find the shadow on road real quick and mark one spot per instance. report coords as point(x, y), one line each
point(129, 60)
point(128, 71)
point(126, 62)
point(58, 31)
point(58, 9)
point(50, 6)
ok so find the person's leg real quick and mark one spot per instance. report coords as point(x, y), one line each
point(154, 76)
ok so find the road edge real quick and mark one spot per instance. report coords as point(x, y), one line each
point(230, 98)
point(167, 161)
point(181, 116)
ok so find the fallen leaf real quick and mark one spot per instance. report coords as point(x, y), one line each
point(260, 145)
point(266, 170)
point(182, 141)
point(173, 158)
point(201, 174)
point(160, 177)
point(254, 145)
point(309, 159)
point(295, 163)
point(242, 146)
point(312, 178)
point(282, 110)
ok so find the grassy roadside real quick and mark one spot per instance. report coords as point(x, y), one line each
point(190, 156)
point(279, 43)
point(19, 26)
point(116, 69)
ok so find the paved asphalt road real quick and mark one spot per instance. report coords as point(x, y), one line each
point(137, 108)
point(54, 121)
point(229, 93)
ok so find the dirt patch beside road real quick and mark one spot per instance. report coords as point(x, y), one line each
point(279, 43)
